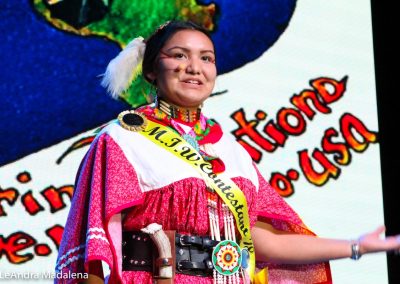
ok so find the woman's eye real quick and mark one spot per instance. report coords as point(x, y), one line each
point(208, 59)
point(179, 55)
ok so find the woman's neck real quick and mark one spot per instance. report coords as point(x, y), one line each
point(184, 114)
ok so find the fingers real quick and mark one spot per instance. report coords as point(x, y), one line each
point(379, 230)
point(374, 234)
point(397, 242)
point(392, 243)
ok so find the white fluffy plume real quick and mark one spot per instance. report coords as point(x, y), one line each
point(123, 69)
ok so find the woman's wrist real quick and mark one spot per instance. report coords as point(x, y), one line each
point(355, 250)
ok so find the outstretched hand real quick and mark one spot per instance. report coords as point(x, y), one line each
point(373, 242)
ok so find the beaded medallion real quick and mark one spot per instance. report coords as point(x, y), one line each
point(227, 257)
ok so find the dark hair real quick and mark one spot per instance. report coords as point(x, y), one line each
point(158, 39)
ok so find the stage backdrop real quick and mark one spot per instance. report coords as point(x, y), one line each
point(296, 88)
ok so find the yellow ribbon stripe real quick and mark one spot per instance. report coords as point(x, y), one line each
point(225, 187)
point(261, 277)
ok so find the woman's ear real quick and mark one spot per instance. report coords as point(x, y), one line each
point(151, 76)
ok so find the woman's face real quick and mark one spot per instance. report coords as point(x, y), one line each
point(185, 71)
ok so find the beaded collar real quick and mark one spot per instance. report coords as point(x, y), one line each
point(185, 115)
point(204, 130)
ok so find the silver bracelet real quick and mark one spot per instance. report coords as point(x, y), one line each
point(355, 251)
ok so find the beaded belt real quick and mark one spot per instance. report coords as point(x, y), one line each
point(192, 253)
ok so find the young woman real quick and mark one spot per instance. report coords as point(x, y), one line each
point(167, 164)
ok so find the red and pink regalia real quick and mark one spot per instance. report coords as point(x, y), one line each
point(126, 182)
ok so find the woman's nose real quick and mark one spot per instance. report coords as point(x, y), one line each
point(193, 67)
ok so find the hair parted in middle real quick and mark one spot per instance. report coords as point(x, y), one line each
point(159, 38)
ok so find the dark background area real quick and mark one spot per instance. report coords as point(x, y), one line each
point(386, 57)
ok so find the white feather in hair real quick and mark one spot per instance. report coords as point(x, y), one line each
point(123, 69)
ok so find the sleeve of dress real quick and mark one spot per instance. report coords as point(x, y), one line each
point(106, 184)
point(273, 209)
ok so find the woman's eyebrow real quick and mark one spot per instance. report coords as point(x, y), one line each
point(188, 50)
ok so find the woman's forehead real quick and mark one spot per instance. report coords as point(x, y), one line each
point(190, 40)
